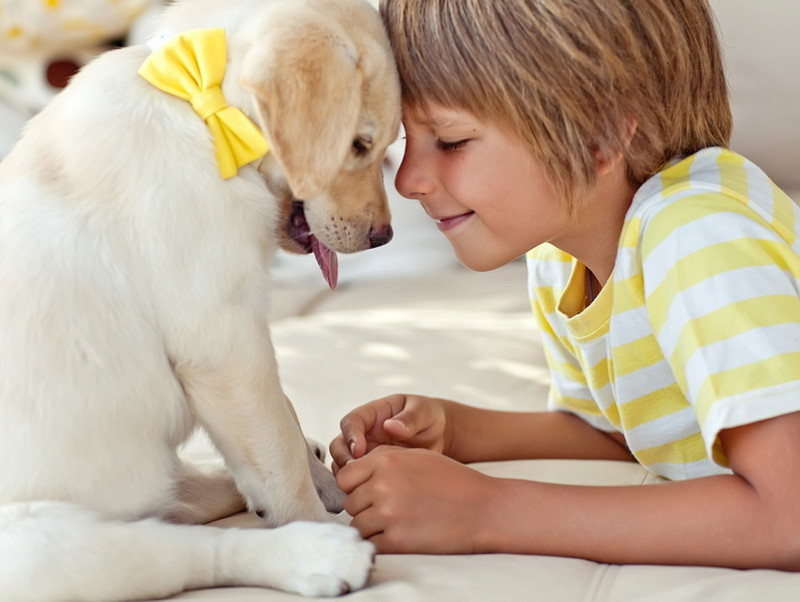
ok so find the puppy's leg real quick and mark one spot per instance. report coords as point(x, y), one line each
point(204, 495)
point(236, 396)
point(54, 552)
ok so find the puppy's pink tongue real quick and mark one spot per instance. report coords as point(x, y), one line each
point(327, 260)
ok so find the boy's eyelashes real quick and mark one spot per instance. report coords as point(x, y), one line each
point(446, 146)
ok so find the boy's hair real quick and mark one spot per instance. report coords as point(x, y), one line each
point(570, 76)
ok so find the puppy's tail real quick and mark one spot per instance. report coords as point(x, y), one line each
point(54, 551)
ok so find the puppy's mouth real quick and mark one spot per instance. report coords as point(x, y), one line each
point(300, 232)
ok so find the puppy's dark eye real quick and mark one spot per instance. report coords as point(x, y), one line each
point(361, 145)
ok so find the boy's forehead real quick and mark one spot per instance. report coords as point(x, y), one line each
point(433, 115)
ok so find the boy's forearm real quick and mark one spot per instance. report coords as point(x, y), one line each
point(480, 435)
point(712, 521)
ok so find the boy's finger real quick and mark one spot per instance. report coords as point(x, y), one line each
point(353, 474)
point(354, 429)
point(339, 453)
point(357, 501)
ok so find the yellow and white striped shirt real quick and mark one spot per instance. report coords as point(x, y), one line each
point(698, 329)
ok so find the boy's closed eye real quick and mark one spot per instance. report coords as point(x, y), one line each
point(447, 146)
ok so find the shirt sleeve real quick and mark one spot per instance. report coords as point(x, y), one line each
point(722, 290)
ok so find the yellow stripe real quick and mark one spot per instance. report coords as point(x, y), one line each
point(683, 211)
point(570, 371)
point(733, 173)
point(730, 321)
point(546, 328)
point(770, 372)
point(652, 406)
point(676, 177)
point(598, 376)
point(612, 414)
point(692, 269)
point(682, 451)
point(628, 293)
point(546, 297)
point(674, 180)
point(586, 408)
point(548, 252)
point(783, 210)
point(633, 356)
point(630, 234)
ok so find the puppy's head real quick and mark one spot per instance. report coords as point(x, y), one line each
point(327, 96)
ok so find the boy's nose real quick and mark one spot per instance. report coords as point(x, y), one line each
point(411, 181)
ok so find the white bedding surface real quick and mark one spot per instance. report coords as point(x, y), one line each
point(469, 337)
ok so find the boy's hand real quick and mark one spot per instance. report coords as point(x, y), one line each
point(403, 420)
point(413, 500)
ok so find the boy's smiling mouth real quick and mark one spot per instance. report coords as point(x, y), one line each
point(448, 223)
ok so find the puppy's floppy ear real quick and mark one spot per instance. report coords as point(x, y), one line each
point(304, 75)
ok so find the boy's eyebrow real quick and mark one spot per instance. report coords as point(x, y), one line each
point(437, 122)
point(441, 122)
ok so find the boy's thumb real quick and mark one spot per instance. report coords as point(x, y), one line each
point(400, 427)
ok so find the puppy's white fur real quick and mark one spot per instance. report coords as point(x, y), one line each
point(134, 308)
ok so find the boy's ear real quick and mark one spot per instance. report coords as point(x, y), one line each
point(306, 82)
point(631, 125)
point(605, 160)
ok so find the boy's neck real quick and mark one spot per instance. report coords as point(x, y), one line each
point(597, 222)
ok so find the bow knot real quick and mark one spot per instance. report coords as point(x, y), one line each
point(191, 66)
point(208, 102)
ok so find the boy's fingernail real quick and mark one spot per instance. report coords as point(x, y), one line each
point(353, 448)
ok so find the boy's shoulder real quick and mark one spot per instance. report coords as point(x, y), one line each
point(710, 170)
point(712, 185)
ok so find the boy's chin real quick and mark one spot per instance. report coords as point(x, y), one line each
point(481, 263)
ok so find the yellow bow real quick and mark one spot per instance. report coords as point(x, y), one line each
point(191, 66)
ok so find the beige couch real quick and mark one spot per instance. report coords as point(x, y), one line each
point(408, 319)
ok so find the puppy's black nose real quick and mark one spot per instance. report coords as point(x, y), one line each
point(380, 236)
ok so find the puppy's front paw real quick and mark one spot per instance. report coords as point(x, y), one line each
point(312, 559)
point(325, 559)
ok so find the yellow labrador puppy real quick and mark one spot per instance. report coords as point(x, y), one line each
point(137, 227)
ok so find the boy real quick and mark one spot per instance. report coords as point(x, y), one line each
point(664, 273)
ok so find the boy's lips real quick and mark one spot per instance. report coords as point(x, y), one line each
point(448, 223)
